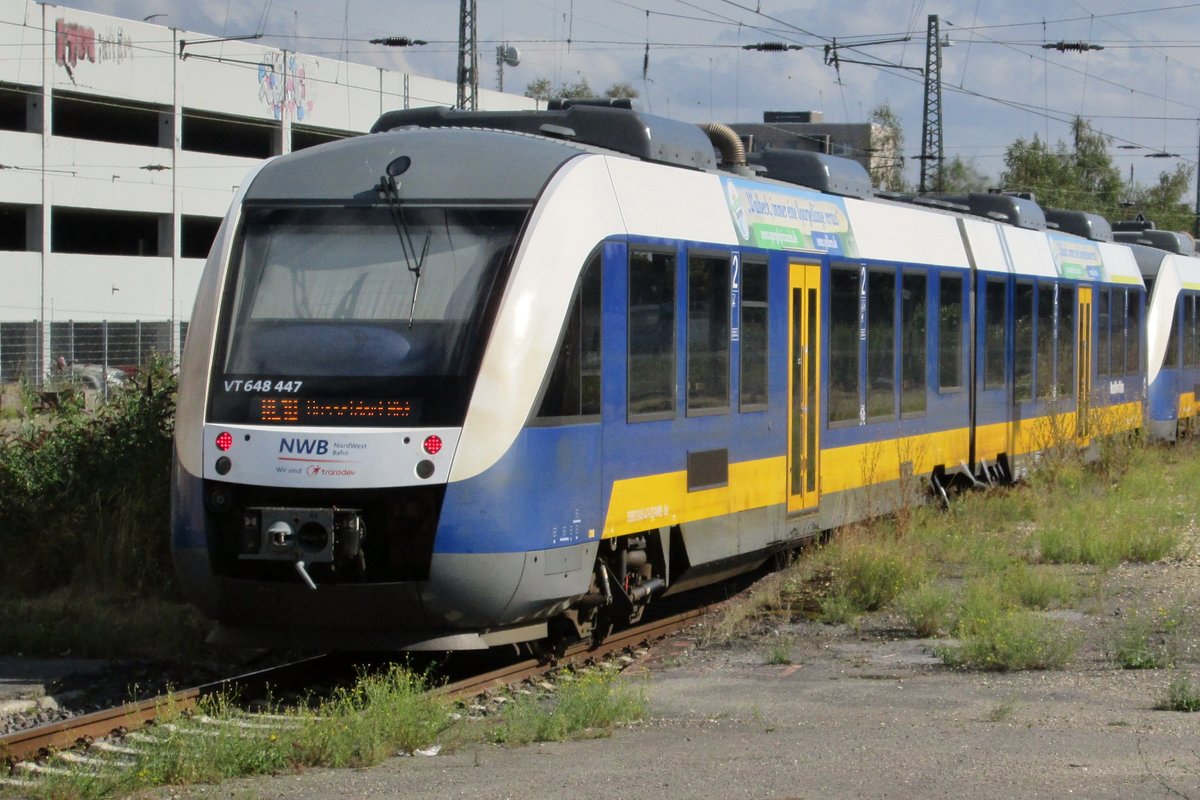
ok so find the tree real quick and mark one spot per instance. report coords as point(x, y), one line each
point(887, 145)
point(621, 90)
point(961, 177)
point(1162, 203)
point(543, 89)
point(1080, 176)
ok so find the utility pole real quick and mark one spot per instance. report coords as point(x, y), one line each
point(468, 59)
point(931, 126)
point(1196, 221)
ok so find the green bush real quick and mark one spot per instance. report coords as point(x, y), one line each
point(85, 498)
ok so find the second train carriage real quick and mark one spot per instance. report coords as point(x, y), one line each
point(640, 373)
point(1171, 270)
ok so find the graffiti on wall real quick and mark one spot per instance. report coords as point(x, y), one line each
point(74, 43)
point(282, 87)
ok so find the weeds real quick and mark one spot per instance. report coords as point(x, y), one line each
point(1148, 641)
point(1035, 586)
point(870, 571)
point(85, 499)
point(1137, 645)
point(375, 718)
point(1181, 695)
point(996, 634)
point(591, 705)
point(779, 651)
point(1002, 711)
point(926, 609)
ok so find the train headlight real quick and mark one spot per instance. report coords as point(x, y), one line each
point(224, 441)
point(432, 444)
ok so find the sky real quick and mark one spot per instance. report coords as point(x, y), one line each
point(686, 59)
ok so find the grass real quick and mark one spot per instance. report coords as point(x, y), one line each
point(590, 705)
point(869, 568)
point(1002, 711)
point(1181, 695)
point(380, 715)
point(1036, 587)
point(994, 633)
point(985, 569)
point(1137, 645)
point(779, 651)
point(926, 609)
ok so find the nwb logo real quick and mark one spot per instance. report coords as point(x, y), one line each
point(306, 447)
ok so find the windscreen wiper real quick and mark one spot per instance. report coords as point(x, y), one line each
point(389, 188)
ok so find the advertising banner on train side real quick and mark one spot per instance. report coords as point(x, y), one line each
point(1083, 260)
point(777, 218)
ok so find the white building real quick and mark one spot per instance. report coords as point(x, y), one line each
point(121, 145)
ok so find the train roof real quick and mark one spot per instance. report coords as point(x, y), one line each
point(1171, 241)
point(825, 173)
point(1081, 223)
point(349, 171)
point(623, 130)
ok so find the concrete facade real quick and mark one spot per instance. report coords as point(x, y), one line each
point(121, 146)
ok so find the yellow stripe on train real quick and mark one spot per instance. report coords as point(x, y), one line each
point(1187, 405)
point(657, 501)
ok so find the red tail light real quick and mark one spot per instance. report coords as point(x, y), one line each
point(433, 444)
point(224, 441)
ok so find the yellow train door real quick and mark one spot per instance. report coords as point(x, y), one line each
point(1083, 366)
point(804, 381)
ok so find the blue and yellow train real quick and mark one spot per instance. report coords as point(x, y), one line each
point(478, 376)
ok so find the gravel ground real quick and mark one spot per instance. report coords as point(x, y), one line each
point(860, 713)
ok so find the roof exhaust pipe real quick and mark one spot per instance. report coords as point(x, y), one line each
point(726, 140)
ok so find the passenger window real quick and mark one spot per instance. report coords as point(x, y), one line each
point(1133, 349)
point(574, 386)
point(881, 343)
point(913, 347)
point(1103, 333)
point(1192, 331)
point(1171, 359)
point(1066, 341)
point(1118, 317)
point(950, 322)
point(651, 335)
point(1023, 350)
point(1045, 341)
point(708, 333)
point(844, 353)
point(753, 337)
point(995, 306)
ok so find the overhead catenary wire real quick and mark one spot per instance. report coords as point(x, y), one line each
point(748, 15)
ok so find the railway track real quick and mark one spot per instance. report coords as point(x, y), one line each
point(40, 741)
point(26, 752)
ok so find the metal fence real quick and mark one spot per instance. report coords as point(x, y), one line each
point(99, 346)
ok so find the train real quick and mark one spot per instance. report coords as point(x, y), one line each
point(483, 379)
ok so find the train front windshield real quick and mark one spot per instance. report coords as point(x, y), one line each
point(330, 323)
